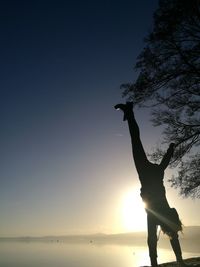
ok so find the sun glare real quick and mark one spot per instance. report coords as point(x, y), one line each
point(133, 213)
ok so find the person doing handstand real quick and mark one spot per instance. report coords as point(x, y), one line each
point(153, 191)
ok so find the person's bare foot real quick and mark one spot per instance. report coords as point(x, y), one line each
point(120, 106)
point(126, 108)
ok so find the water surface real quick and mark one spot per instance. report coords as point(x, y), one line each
point(61, 254)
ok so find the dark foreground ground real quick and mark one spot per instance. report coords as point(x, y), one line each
point(192, 262)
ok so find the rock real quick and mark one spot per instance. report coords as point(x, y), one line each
point(191, 262)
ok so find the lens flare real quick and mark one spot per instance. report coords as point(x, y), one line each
point(133, 212)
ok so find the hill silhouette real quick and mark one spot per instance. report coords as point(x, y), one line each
point(190, 239)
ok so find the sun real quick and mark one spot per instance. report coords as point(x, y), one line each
point(133, 212)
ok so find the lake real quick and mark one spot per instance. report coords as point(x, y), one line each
point(61, 254)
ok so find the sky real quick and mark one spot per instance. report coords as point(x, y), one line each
point(65, 164)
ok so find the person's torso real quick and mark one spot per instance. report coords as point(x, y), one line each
point(151, 178)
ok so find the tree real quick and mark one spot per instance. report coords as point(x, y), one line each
point(169, 82)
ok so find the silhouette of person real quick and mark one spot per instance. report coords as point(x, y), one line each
point(153, 191)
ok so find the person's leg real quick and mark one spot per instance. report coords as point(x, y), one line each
point(139, 155)
point(152, 239)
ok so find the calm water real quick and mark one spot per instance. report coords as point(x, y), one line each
point(44, 254)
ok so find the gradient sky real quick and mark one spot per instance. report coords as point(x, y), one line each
point(66, 164)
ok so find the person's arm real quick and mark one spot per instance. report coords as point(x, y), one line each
point(167, 157)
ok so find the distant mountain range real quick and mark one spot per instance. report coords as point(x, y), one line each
point(190, 239)
point(189, 233)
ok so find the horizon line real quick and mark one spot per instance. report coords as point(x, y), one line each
point(82, 234)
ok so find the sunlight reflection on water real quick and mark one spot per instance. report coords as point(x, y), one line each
point(43, 254)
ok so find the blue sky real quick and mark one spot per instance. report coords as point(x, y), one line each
point(66, 160)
